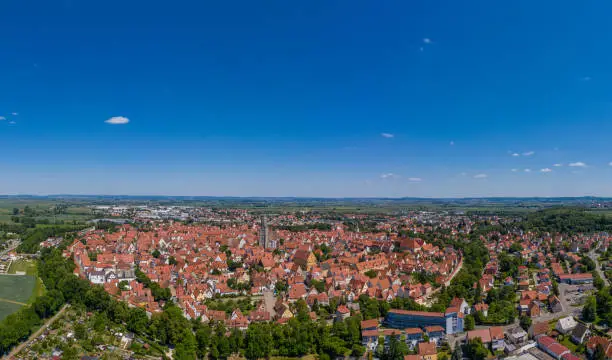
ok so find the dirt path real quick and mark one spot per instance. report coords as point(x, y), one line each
point(37, 333)
point(13, 302)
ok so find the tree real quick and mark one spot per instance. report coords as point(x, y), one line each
point(371, 274)
point(598, 281)
point(80, 331)
point(516, 247)
point(281, 286)
point(525, 322)
point(123, 285)
point(476, 349)
point(457, 353)
point(172, 260)
point(186, 348)
point(589, 312)
point(599, 353)
point(156, 254)
point(259, 341)
point(15, 211)
point(555, 287)
point(470, 323)
point(203, 335)
point(69, 352)
point(396, 349)
point(358, 350)
point(137, 320)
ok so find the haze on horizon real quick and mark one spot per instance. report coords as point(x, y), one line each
point(313, 99)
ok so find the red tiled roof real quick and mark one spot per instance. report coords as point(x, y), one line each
point(369, 323)
point(483, 334)
point(427, 348)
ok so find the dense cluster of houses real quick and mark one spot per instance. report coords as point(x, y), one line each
point(198, 263)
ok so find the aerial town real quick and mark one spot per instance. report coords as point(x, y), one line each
point(414, 282)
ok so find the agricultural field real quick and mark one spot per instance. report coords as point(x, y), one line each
point(15, 292)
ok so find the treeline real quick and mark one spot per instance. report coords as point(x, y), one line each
point(475, 256)
point(304, 227)
point(30, 242)
point(228, 305)
point(565, 220)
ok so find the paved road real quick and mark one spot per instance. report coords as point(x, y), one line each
point(37, 333)
point(270, 300)
point(594, 257)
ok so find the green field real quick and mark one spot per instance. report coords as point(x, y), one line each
point(26, 266)
point(29, 267)
point(15, 291)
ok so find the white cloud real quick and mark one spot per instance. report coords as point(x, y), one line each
point(557, 165)
point(528, 153)
point(118, 120)
point(415, 179)
point(463, 174)
point(527, 170)
point(14, 114)
point(12, 123)
point(610, 163)
point(546, 170)
point(388, 176)
point(387, 135)
point(452, 143)
point(427, 40)
point(516, 154)
point(480, 176)
point(514, 170)
point(2, 118)
point(577, 164)
point(586, 78)
point(421, 49)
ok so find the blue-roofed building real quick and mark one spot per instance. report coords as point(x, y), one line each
point(402, 319)
point(451, 321)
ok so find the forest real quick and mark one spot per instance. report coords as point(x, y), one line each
point(565, 220)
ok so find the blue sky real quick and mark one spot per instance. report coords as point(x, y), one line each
point(311, 98)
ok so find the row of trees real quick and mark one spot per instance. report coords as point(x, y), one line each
point(31, 238)
point(565, 220)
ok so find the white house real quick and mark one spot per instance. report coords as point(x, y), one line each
point(565, 325)
point(97, 277)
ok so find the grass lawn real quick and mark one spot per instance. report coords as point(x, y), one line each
point(15, 291)
point(7, 309)
point(569, 344)
point(29, 267)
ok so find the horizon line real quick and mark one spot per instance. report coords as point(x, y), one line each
point(309, 197)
